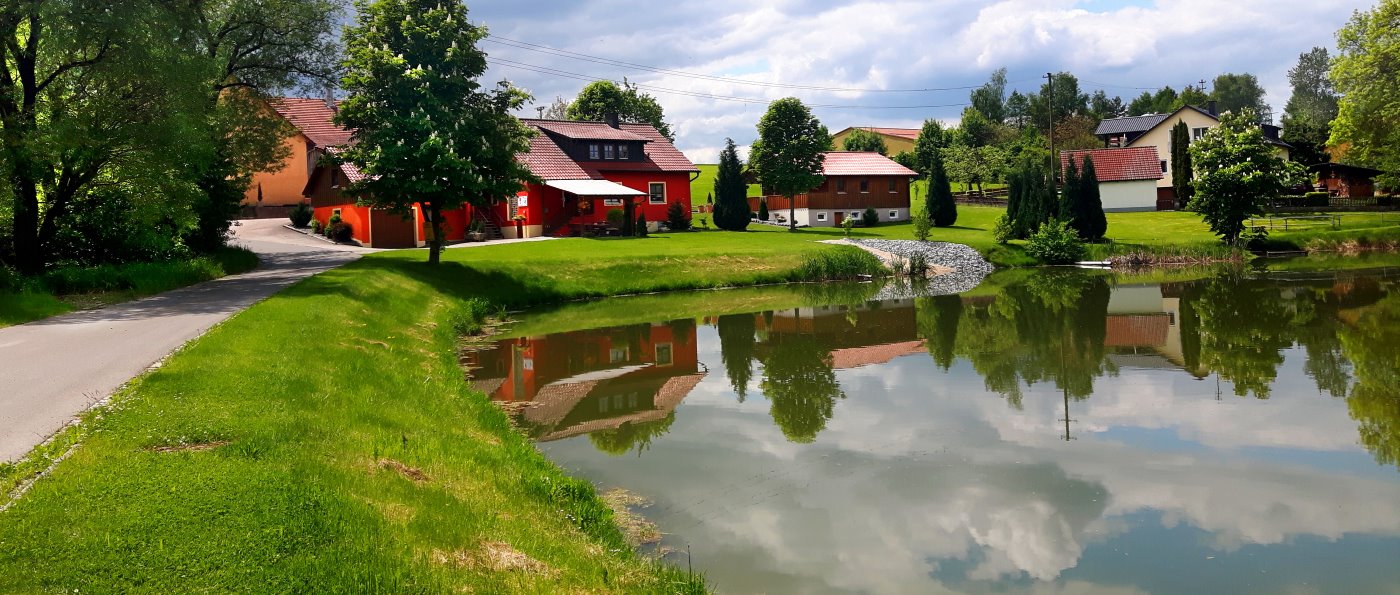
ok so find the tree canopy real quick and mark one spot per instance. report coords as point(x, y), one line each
point(1308, 115)
point(861, 139)
point(601, 98)
point(789, 152)
point(1368, 117)
point(990, 99)
point(1237, 173)
point(1237, 92)
point(427, 133)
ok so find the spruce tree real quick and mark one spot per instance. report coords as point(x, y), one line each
point(1095, 224)
point(1069, 196)
point(1181, 164)
point(940, 195)
point(732, 208)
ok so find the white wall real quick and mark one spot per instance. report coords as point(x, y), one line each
point(1140, 195)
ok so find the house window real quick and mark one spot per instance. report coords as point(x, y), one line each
point(664, 355)
point(335, 179)
point(617, 355)
point(624, 152)
point(865, 185)
point(894, 215)
point(656, 193)
point(335, 212)
point(612, 202)
point(1164, 166)
point(593, 151)
point(821, 216)
point(1197, 133)
point(841, 185)
point(608, 152)
point(854, 215)
point(892, 186)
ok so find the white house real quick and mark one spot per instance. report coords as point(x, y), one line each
point(1127, 177)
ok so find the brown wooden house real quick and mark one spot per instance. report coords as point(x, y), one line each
point(853, 182)
point(1346, 181)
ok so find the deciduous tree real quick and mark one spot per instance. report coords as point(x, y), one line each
point(861, 139)
point(599, 99)
point(1235, 92)
point(990, 99)
point(1237, 174)
point(427, 133)
point(789, 152)
point(1364, 72)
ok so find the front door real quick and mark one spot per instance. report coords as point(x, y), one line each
point(839, 217)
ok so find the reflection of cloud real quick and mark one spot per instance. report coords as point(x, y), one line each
point(924, 482)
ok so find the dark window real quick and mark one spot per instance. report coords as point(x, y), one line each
point(593, 151)
point(623, 151)
point(892, 185)
point(608, 152)
point(864, 185)
point(840, 184)
point(656, 193)
point(1164, 166)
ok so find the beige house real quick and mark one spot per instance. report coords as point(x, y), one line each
point(897, 140)
point(1154, 130)
point(1127, 176)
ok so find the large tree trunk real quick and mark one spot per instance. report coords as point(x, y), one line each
point(792, 213)
point(28, 257)
point(436, 243)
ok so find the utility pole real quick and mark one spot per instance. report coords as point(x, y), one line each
point(540, 109)
point(1050, 109)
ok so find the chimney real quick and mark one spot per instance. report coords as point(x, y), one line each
point(1212, 109)
point(612, 120)
point(329, 98)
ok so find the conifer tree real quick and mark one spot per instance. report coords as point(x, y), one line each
point(1090, 221)
point(940, 195)
point(732, 209)
point(1069, 194)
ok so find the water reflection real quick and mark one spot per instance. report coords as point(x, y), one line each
point(1227, 434)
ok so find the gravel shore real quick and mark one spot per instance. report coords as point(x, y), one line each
point(969, 268)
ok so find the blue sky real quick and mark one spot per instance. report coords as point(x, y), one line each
point(860, 55)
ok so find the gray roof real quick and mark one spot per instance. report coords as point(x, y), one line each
point(1118, 126)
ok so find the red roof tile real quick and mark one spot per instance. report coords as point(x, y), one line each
point(312, 117)
point(1119, 165)
point(660, 151)
point(585, 130)
point(548, 161)
point(845, 163)
point(1136, 330)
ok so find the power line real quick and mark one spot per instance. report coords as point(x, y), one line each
point(534, 47)
point(698, 94)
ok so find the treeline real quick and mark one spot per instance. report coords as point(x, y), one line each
point(129, 128)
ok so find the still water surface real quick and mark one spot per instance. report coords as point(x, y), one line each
point(1047, 432)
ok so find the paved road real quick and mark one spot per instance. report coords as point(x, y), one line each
point(54, 369)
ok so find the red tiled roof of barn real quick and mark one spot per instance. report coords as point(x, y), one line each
point(1119, 165)
point(849, 163)
point(312, 117)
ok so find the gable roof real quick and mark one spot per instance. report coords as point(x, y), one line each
point(313, 119)
point(1270, 138)
point(853, 163)
point(1116, 126)
point(1118, 165)
point(549, 161)
point(905, 133)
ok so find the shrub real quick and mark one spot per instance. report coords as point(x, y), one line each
point(918, 265)
point(330, 223)
point(704, 223)
point(847, 224)
point(615, 217)
point(763, 209)
point(842, 263)
point(301, 215)
point(10, 280)
point(1056, 243)
point(870, 218)
point(339, 231)
point(677, 217)
point(315, 226)
point(1002, 231)
point(641, 229)
point(923, 223)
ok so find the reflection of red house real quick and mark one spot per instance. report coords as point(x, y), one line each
point(590, 168)
point(582, 381)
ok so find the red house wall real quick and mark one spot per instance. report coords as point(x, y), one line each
point(357, 217)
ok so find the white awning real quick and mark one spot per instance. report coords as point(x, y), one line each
point(593, 188)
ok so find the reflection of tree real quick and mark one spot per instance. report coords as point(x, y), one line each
point(1373, 345)
point(1049, 328)
point(736, 346)
point(938, 319)
point(620, 440)
point(801, 386)
point(1244, 328)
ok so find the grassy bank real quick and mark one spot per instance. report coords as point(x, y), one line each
point(69, 288)
point(245, 461)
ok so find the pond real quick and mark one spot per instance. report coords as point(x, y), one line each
point(1230, 431)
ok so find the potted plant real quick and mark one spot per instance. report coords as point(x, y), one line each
point(477, 231)
point(519, 220)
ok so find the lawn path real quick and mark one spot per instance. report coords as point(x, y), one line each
point(55, 369)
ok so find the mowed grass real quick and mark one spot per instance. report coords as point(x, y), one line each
point(322, 441)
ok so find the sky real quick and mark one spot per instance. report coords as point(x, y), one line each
point(714, 65)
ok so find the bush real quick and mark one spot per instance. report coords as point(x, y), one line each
point(870, 218)
point(677, 217)
point(315, 226)
point(762, 209)
point(641, 230)
point(335, 219)
point(842, 263)
point(301, 215)
point(10, 279)
point(615, 217)
point(1002, 231)
point(1056, 243)
point(923, 223)
point(918, 265)
point(338, 230)
point(147, 277)
point(847, 224)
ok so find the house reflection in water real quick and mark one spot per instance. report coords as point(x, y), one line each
point(1144, 329)
point(859, 335)
point(584, 381)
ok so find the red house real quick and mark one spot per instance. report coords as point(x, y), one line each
point(590, 168)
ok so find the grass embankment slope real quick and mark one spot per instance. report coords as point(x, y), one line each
point(324, 440)
point(75, 288)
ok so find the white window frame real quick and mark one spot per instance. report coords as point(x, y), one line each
point(854, 215)
point(894, 186)
point(609, 152)
point(612, 202)
point(894, 215)
point(865, 185)
point(1197, 133)
point(593, 151)
point(651, 195)
point(821, 216)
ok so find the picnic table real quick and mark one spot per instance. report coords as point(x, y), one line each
point(1284, 221)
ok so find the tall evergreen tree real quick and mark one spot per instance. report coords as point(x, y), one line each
point(1181, 164)
point(1069, 192)
point(1031, 201)
point(732, 208)
point(1307, 118)
point(941, 207)
point(932, 140)
point(1090, 221)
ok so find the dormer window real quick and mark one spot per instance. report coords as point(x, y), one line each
point(593, 151)
point(608, 152)
point(623, 152)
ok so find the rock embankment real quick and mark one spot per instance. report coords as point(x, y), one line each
point(957, 268)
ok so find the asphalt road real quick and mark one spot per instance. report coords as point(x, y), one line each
point(53, 370)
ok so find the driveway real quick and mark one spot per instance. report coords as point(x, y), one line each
point(55, 369)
